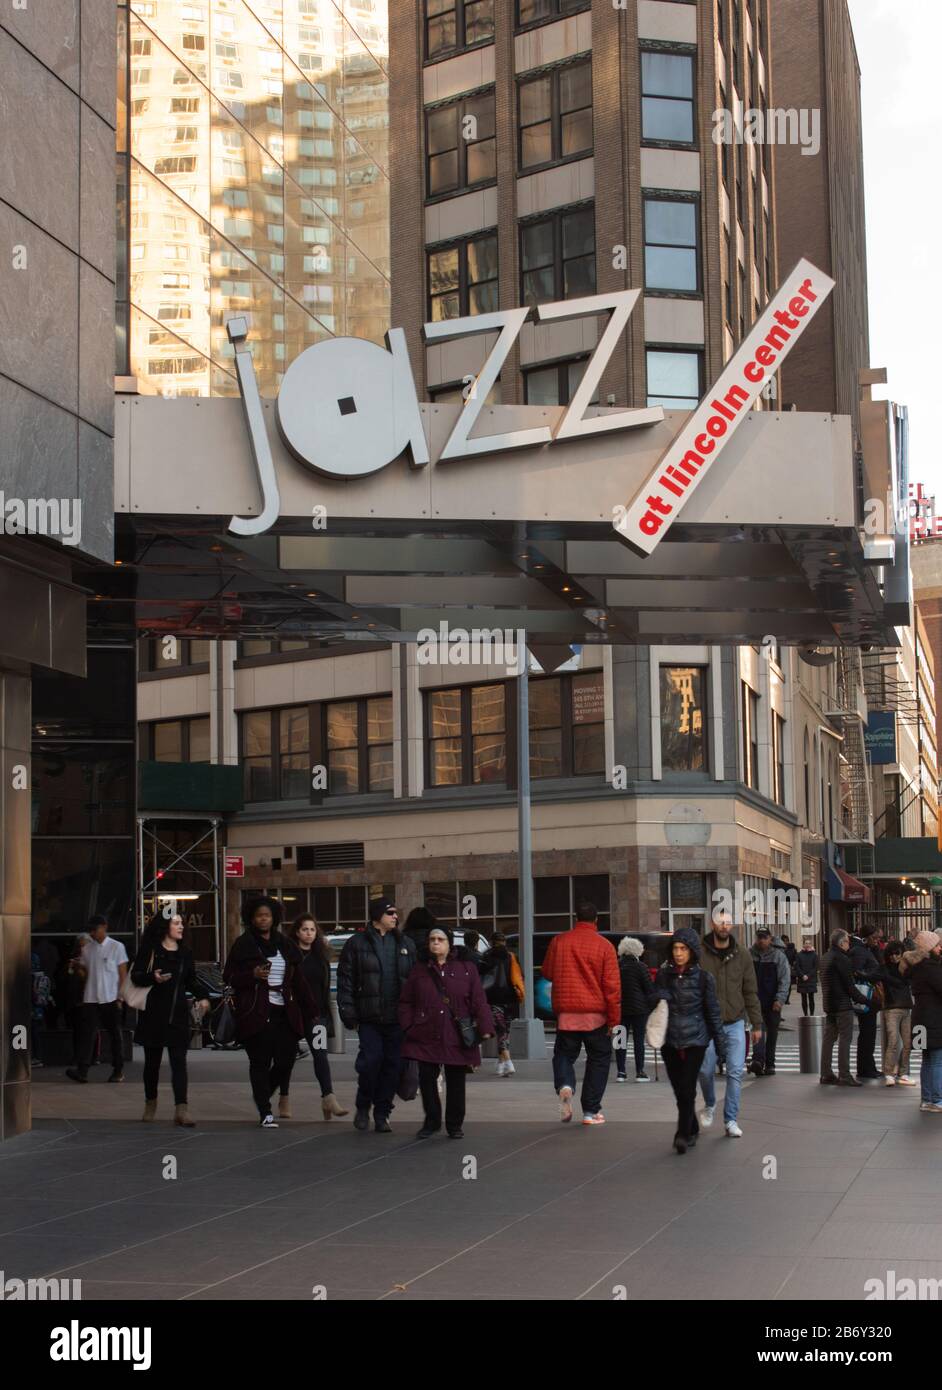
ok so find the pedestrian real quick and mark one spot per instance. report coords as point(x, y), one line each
point(637, 1001)
point(273, 1004)
point(693, 1021)
point(41, 997)
point(923, 968)
point(734, 977)
point(470, 951)
point(374, 965)
point(103, 966)
point(791, 955)
point(897, 1018)
point(419, 923)
point(315, 962)
point(773, 981)
point(806, 973)
point(72, 989)
point(839, 994)
point(165, 968)
point(502, 980)
point(867, 964)
point(443, 1012)
point(583, 970)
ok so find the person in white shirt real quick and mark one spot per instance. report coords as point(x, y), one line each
point(103, 966)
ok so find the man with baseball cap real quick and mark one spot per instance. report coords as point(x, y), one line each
point(373, 966)
point(773, 979)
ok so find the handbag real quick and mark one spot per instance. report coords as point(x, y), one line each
point(863, 987)
point(655, 1030)
point(407, 1088)
point(222, 1028)
point(135, 996)
point(467, 1028)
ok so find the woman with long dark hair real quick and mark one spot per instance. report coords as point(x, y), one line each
point(165, 967)
point(315, 955)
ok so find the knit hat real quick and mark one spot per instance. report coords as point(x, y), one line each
point(925, 941)
point(379, 906)
point(631, 946)
point(446, 931)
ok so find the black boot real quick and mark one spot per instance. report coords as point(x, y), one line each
point(361, 1119)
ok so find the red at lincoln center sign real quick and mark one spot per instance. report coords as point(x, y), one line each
point(690, 456)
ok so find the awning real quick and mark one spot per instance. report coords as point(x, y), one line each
point(844, 888)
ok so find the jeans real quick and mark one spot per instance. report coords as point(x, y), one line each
point(377, 1067)
point(636, 1025)
point(930, 1076)
point(897, 1034)
point(152, 1059)
point(598, 1060)
point(91, 1017)
point(735, 1065)
point(682, 1074)
point(866, 1043)
point(271, 1055)
point(321, 1069)
point(454, 1095)
point(807, 1003)
point(838, 1028)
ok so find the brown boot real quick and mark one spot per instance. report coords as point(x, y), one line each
point(284, 1108)
point(181, 1117)
point(331, 1106)
point(150, 1109)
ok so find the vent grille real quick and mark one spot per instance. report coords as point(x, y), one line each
point(346, 855)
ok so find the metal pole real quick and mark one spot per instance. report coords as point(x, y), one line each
point(526, 1032)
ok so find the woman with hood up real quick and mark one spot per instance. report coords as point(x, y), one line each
point(693, 1019)
point(922, 966)
point(274, 1007)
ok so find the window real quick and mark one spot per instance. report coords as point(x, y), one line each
point(727, 285)
point(556, 384)
point(273, 646)
point(280, 749)
point(173, 653)
point(457, 392)
point(667, 98)
point(489, 905)
point(337, 909)
point(778, 758)
point(194, 42)
point(557, 257)
point(462, 279)
point(554, 115)
point(671, 253)
point(567, 725)
point(674, 378)
point(683, 719)
point(451, 24)
point(685, 901)
point(532, 11)
point(466, 735)
point(459, 143)
point(177, 741)
point(750, 736)
point(358, 738)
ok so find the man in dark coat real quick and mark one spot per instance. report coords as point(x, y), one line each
point(867, 964)
point(373, 966)
point(923, 967)
point(838, 997)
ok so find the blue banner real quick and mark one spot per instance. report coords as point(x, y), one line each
point(880, 736)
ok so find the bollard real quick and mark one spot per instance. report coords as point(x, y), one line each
point(338, 1043)
point(810, 1030)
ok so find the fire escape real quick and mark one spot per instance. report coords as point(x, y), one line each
point(848, 716)
point(887, 688)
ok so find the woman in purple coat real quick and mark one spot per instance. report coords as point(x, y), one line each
point(440, 992)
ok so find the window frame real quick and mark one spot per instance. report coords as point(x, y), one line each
point(458, 105)
point(461, 44)
point(554, 75)
point(316, 749)
point(650, 196)
point(778, 758)
point(749, 719)
point(687, 351)
point(562, 9)
point(363, 744)
point(185, 721)
point(148, 669)
point(460, 245)
point(556, 217)
point(561, 364)
point(671, 51)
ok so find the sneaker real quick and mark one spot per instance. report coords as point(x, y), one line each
point(269, 1122)
point(501, 1068)
point(565, 1104)
point(74, 1075)
point(932, 1109)
point(116, 1076)
point(621, 1076)
point(381, 1125)
point(925, 1106)
point(642, 1076)
point(705, 1116)
point(509, 1069)
point(905, 1081)
point(599, 1119)
point(889, 1080)
point(733, 1131)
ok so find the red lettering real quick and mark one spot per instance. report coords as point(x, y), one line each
point(777, 337)
point(658, 504)
point(650, 524)
point(665, 481)
point(707, 446)
point(716, 426)
point(765, 355)
point(736, 397)
point(690, 463)
point(751, 367)
point(798, 306)
point(807, 291)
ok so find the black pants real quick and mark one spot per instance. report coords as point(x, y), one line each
point(838, 1027)
point(598, 1061)
point(91, 1017)
point(635, 1026)
point(866, 1041)
point(454, 1095)
point(321, 1069)
point(682, 1073)
point(807, 1002)
point(152, 1059)
point(271, 1057)
point(377, 1067)
point(765, 1050)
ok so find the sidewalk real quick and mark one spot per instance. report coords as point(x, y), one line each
point(554, 1212)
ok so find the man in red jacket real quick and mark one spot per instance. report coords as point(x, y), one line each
point(583, 969)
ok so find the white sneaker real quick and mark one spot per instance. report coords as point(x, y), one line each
point(733, 1131)
point(889, 1080)
point(705, 1116)
point(509, 1068)
point(565, 1104)
point(925, 1106)
point(905, 1081)
point(269, 1122)
point(501, 1069)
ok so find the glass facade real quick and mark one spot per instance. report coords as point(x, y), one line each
point(252, 178)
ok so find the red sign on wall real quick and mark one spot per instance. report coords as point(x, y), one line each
point(235, 865)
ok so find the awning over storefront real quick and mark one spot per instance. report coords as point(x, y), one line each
point(842, 887)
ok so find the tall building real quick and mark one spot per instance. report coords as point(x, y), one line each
point(252, 178)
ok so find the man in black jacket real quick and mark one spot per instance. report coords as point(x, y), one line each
point(839, 994)
point(866, 964)
point(372, 968)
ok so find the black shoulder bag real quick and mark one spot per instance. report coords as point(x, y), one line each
point(467, 1028)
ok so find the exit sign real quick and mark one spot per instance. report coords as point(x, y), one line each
point(235, 865)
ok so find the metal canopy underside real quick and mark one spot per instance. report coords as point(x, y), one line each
point(767, 546)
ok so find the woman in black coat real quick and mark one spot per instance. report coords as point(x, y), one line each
point(637, 1001)
point(165, 965)
point(806, 977)
point(315, 954)
point(923, 968)
point(693, 1020)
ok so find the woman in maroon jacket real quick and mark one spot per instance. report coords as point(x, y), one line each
point(439, 992)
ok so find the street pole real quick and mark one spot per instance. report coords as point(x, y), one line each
point(527, 1035)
